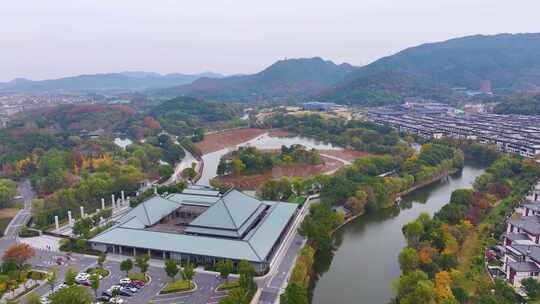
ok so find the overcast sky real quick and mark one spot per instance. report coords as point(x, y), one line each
point(55, 38)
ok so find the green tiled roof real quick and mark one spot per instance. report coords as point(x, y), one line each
point(182, 243)
point(226, 221)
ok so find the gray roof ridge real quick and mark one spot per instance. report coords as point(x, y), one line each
point(228, 212)
point(255, 251)
point(146, 212)
point(254, 211)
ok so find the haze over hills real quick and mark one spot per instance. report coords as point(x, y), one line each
point(124, 81)
point(297, 78)
point(509, 62)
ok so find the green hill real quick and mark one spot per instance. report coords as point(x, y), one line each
point(506, 61)
point(290, 78)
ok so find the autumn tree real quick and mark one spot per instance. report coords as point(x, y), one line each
point(19, 254)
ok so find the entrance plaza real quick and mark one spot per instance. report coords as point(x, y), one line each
point(201, 225)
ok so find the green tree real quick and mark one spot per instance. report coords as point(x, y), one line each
point(171, 269)
point(247, 272)
point(142, 262)
point(408, 259)
point(294, 294)
point(126, 265)
point(52, 277)
point(101, 259)
point(94, 283)
point(415, 287)
point(188, 272)
point(69, 276)
point(71, 295)
point(237, 166)
point(33, 298)
point(532, 287)
point(225, 267)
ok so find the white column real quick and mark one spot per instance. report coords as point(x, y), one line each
point(128, 203)
point(56, 222)
point(102, 204)
point(82, 212)
point(70, 218)
point(112, 199)
point(100, 220)
point(123, 197)
point(155, 190)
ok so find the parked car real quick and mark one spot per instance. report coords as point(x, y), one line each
point(121, 290)
point(116, 300)
point(125, 281)
point(138, 283)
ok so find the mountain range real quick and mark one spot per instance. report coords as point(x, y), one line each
point(296, 78)
point(501, 63)
point(113, 82)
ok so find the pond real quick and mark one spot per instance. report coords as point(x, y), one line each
point(264, 141)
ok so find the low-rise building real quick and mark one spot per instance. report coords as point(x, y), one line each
point(202, 226)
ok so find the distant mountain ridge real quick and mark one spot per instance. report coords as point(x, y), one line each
point(298, 78)
point(504, 61)
point(124, 81)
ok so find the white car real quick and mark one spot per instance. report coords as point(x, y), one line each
point(116, 300)
point(125, 281)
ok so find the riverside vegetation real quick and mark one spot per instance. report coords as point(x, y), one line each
point(443, 262)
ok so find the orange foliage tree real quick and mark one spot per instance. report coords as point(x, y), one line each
point(19, 254)
point(152, 122)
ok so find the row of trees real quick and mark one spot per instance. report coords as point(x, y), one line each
point(358, 135)
point(8, 191)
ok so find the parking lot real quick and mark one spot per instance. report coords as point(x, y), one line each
point(204, 294)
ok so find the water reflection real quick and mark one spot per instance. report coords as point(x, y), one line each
point(364, 264)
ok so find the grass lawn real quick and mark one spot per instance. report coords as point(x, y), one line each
point(6, 214)
point(138, 276)
point(101, 271)
point(297, 200)
point(228, 285)
point(177, 286)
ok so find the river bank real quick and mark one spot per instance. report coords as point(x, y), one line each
point(364, 264)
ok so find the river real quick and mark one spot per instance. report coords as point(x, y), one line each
point(263, 141)
point(365, 263)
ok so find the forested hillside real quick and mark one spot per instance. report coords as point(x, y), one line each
point(505, 61)
point(289, 78)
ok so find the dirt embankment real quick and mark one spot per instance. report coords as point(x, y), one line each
point(253, 182)
point(346, 154)
point(217, 141)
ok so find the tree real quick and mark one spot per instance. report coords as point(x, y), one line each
point(225, 267)
point(188, 272)
point(237, 166)
point(69, 276)
point(408, 259)
point(101, 259)
point(126, 265)
point(246, 271)
point(33, 298)
point(189, 173)
point(171, 268)
point(415, 287)
point(71, 295)
point(83, 226)
point(19, 254)
point(52, 278)
point(532, 287)
point(94, 283)
point(142, 262)
point(294, 294)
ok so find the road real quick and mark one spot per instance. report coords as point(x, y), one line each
point(273, 283)
point(21, 218)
